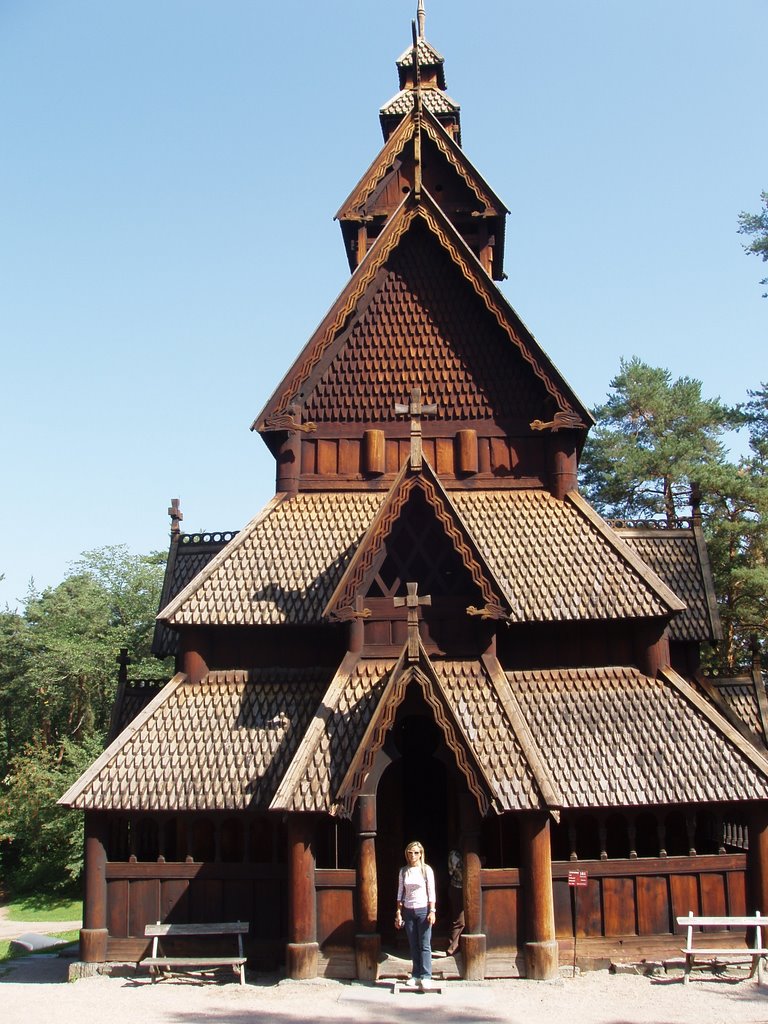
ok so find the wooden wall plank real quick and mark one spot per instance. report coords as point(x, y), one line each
point(143, 904)
point(713, 902)
point(501, 917)
point(444, 457)
point(327, 458)
point(619, 908)
point(309, 457)
point(117, 908)
point(335, 917)
point(737, 896)
point(684, 893)
point(561, 893)
point(205, 900)
point(589, 917)
point(653, 917)
point(174, 901)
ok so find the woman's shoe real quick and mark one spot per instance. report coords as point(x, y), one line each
point(412, 983)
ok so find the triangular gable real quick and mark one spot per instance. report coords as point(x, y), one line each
point(371, 550)
point(303, 376)
point(404, 673)
point(326, 750)
point(355, 203)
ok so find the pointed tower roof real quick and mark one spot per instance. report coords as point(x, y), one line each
point(426, 73)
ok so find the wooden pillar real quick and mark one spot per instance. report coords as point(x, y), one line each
point(541, 953)
point(757, 860)
point(288, 465)
point(195, 656)
point(93, 934)
point(302, 952)
point(466, 451)
point(652, 651)
point(472, 941)
point(563, 463)
point(367, 940)
point(374, 451)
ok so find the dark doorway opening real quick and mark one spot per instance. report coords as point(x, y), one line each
point(416, 800)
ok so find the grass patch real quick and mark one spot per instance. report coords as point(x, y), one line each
point(44, 908)
point(65, 939)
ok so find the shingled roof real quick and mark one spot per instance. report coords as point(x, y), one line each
point(554, 560)
point(679, 557)
point(220, 744)
point(422, 312)
point(614, 737)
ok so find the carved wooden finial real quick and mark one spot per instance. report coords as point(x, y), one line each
point(415, 409)
point(412, 602)
point(562, 420)
point(176, 515)
point(421, 18)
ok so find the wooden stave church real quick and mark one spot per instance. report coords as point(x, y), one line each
point(428, 633)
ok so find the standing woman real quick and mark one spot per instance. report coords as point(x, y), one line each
point(416, 910)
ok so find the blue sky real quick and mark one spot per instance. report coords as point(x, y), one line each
point(169, 171)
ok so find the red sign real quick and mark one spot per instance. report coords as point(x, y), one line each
point(577, 878)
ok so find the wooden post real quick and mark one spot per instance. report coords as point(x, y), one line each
point(472, 941)
point(93, 934)
point(288, 462)
point(466, 451)
point(302, 952)
point(374, 451)
point(541, 953)
point(563, 463)
point(757, 860)
point(367, 940)
point(652, 651)
point(194, 657)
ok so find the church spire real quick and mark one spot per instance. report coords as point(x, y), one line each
point(426, 72)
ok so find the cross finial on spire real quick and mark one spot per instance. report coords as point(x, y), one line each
point(421, 18)
point(412, 603)
point(415, 409)
point(176, 515)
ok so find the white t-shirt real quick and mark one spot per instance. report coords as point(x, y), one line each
point(417, 887)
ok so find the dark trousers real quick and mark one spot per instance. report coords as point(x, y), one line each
point(456, 899)
point(419, 939)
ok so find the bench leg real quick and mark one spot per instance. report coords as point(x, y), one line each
point(688, 966)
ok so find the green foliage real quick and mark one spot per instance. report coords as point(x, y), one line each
point(43, 907)
point(655, 437)
point(656, 441)
point(737, 535)
point(44, 841)
point(58, 674)
point(756, 225)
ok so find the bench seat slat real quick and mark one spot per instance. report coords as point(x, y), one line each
point(169, 930)
point(723, 922)
point(187, 961)
point(743, 951)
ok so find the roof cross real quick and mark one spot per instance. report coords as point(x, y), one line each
point(176, 515)
point(415, 409)
point(412, 603)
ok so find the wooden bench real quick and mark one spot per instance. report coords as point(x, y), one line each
point(157, 961)
point(756, 951)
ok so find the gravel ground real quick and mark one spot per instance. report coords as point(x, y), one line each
point(35, 990)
